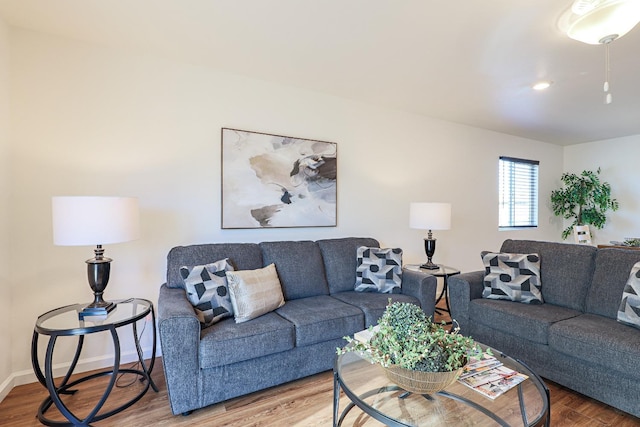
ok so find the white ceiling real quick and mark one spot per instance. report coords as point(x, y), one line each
point(469, 62)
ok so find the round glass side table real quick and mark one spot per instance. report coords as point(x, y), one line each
point(66, 322)
point(445, 272)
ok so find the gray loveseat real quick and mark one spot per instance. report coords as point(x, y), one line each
point(573, 338)
point(228, 359)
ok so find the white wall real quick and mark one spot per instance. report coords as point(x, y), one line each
point(5, 287)
point(92, 121)
point(618, 160)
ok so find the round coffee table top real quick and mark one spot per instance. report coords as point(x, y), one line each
point(368, 387)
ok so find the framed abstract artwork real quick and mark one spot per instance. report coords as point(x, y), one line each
point(272, 181)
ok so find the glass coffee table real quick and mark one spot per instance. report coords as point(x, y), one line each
point(368, 388)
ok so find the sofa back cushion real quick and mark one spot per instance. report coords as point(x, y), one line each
point(612, 272)
point(299, 266)
point(565, 270)
point(242, 256)
point(340, 261)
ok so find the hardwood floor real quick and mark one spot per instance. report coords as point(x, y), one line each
point(304, 403)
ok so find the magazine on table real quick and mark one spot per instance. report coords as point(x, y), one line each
point(496, 388)
point(490, 377)
point(476, 366)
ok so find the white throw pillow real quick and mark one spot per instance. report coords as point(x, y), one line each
point(254, 292)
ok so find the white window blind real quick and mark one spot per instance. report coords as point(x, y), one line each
point(518, 188)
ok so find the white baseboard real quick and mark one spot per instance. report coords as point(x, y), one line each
point(84, 365)
point(6, 387)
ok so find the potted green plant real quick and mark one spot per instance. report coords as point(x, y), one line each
point(583, 198)
point(419, 355)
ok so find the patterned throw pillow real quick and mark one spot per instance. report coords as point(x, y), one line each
point(379, 270)
point(207, 291)
point(514, 277)
point(254, 292)
point(629, 311)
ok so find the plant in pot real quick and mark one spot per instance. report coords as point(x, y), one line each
point(584, 199)
point(417, 354)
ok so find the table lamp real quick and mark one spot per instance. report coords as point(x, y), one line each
point(430, 216)
point(79, 221)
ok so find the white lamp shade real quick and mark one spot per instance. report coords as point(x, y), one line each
point(79, 221)
point(611, 17)
point(430, 216)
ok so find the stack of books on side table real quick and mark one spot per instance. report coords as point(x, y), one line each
point(489, 377)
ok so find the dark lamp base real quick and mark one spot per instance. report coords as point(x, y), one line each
point(429, 249)
point(430, 266)
point(97, 310)
point(98, 269)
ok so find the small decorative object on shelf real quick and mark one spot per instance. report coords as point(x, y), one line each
point(417, 354)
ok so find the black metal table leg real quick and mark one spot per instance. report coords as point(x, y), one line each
point(336, 398)
point(145, 370)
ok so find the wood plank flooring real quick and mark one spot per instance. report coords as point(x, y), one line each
point(304, 403)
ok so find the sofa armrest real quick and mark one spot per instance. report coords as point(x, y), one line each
point(179, 331)
point(462, 289)
point(422, 286)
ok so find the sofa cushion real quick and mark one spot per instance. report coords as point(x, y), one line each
point(531, 322)
point(339, 257)
point(513, 277)
point(609, 279)
point(228, 342)
point(242, 256)
point(299, 266)
point(629, 311)
point(379, 270)
point(598, 340)
point(207, 291)
point(372, 304)
point(565, 269)
point(321, 318)
point(254, 292)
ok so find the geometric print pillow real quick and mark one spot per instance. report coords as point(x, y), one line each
point(514, 277)
point(379, 270)
point(207, 290)
point(629, 311)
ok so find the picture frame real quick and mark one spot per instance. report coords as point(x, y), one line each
point(276, 181)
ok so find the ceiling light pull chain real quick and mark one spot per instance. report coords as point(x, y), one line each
point(608, 97)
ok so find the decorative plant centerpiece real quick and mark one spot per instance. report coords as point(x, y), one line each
point(583, 198)
point(417, 354)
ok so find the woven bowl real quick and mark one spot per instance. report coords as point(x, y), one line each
point(421, 382)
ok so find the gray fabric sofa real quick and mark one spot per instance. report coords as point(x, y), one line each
point(228, 359)
point(573, 338)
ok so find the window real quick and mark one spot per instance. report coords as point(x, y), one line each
point(518, 188)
